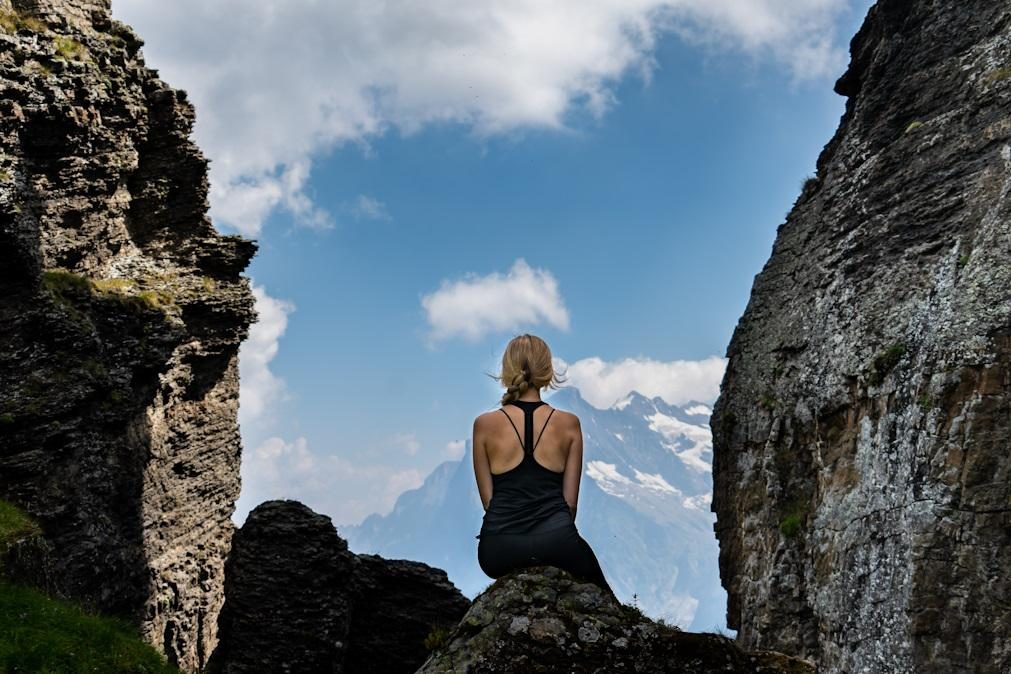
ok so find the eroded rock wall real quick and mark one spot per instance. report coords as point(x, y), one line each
point(121, 314)
point(862, 436)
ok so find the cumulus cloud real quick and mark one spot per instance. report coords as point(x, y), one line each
point(474, 306)
point(276, 83)
point(260, 388)
point(346, 491)
point(602, 384)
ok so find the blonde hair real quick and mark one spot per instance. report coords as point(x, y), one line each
point(526, 363)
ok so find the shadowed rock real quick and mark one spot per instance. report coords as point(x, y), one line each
point(297, 600)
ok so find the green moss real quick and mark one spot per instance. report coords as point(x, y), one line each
point(925, 402)
point(963, 260)
point(6, 418)
point(913, 126)
point(885, 361)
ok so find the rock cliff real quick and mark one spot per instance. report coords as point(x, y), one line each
point(542, 620)
point(299, 601)
point(862, 473)
point(121, 313)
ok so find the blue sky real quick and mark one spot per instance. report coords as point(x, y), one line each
point(614, 192)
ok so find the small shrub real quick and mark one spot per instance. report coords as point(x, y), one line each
point(808, 183)
point(790, 524)
point(913, 126)
point(885, 361)
point(436, 638)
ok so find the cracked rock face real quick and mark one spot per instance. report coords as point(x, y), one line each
point(861, 436)
point(121, 314)
point(542, 619)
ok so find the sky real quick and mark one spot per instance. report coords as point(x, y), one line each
point(427, 180)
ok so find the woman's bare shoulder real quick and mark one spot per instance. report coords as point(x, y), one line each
point(569, 419)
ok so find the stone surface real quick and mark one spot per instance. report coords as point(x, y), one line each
point(118, 376)
point(862, 473)
point(542, 620)
point(297, 600)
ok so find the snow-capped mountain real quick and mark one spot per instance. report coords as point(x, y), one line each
point(643, 507)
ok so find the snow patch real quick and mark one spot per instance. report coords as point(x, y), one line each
point(676, 432)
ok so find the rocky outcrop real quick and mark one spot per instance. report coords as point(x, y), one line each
point(297, 600)
point(862, 473)
point(121, 314)
point(542, 620)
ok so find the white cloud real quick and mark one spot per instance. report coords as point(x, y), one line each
point(260, 388)
point(369, 208)
point(474, 306)
point(279, 82)
point(602, 384)
point(408, 442)
point(455, 449)
point(346, 491)
point(698, 409)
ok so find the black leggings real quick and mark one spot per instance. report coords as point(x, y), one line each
point(498, 554)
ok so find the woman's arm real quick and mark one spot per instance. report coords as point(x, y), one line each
point(573, 470)
point(482, 472)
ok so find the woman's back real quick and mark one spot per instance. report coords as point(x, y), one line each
point(527, 476)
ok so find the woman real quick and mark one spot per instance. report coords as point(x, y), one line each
point(528, 488)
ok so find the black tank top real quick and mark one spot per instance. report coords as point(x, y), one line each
point(529, 497)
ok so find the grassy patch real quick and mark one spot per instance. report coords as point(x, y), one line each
point(69, 49)
point(43, 634)
point(13, 21)
point(885, 361)
point(997, 75)
point(14, 524)
point(62, 283)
